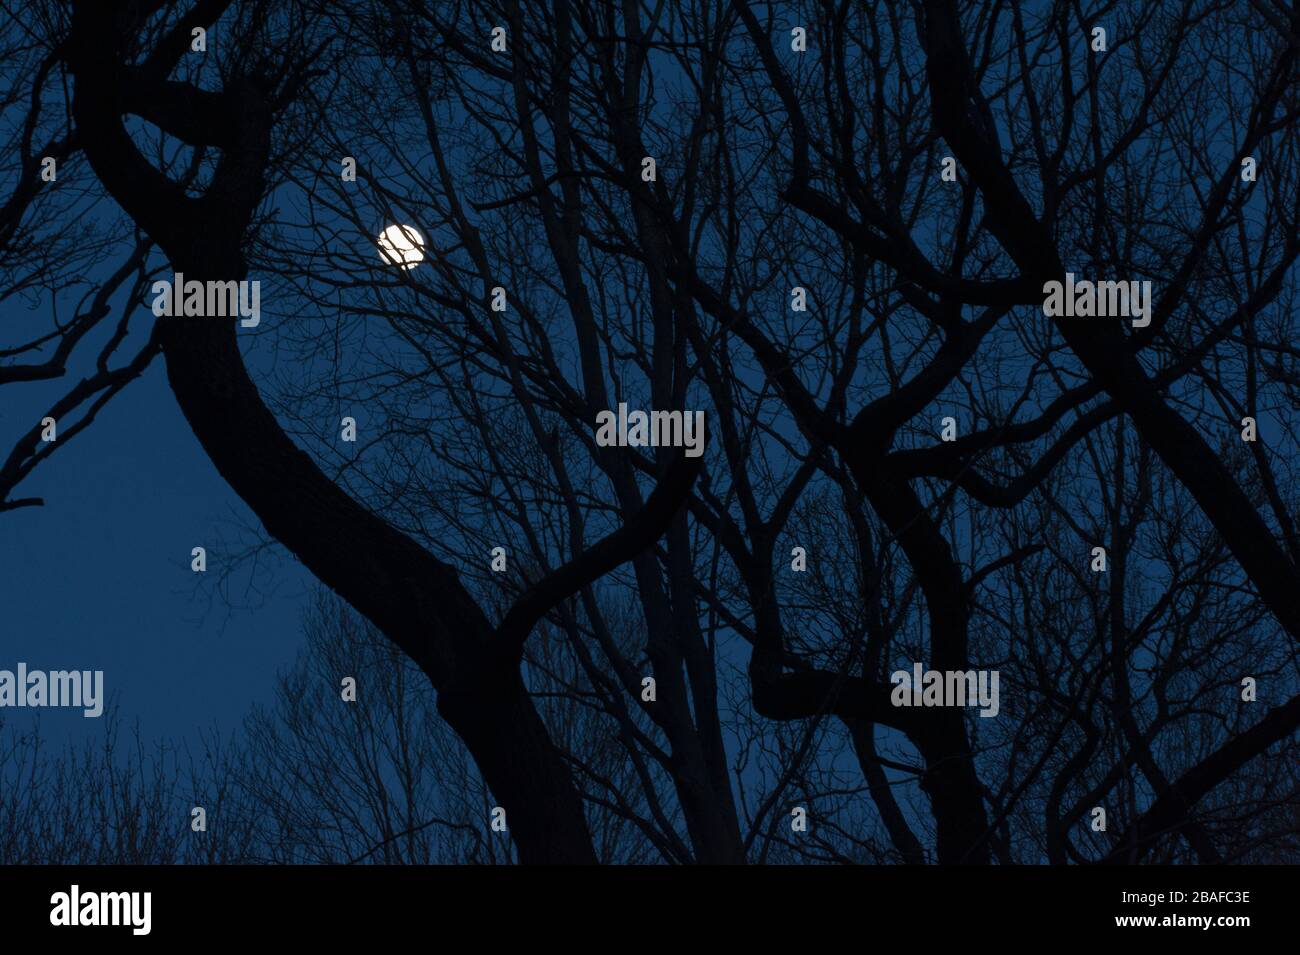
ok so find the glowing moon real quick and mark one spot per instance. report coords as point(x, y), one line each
point(401, 245)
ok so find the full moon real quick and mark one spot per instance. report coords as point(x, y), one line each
point(401, 245)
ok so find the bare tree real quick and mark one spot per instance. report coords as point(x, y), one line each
point(118, 801)
point(654, 192)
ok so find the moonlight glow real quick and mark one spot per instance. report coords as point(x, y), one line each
point(401, 245)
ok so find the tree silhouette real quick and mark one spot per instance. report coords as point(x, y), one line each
point(776, 170)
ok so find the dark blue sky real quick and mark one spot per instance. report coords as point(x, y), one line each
point(99, 578)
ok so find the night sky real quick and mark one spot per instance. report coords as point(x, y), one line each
point(99, 578)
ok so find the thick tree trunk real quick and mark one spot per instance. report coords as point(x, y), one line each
point(415, 600)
